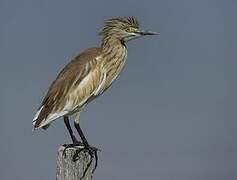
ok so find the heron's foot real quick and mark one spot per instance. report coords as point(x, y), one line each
point(75, 144)
point(92, 151)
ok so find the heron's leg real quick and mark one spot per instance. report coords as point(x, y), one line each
point(75, 142)
point(67, 123)
point(91, 150)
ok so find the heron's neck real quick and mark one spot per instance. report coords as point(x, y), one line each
point(114, 55)
point(111, 44)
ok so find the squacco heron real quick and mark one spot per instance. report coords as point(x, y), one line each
point(87, 76)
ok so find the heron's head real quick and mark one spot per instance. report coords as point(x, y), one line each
point(123, 28)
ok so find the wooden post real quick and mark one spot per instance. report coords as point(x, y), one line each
point(67, 169)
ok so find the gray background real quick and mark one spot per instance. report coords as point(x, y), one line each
point(170, 116)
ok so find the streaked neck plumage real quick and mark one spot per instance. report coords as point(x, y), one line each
point(109, 42)
point(114, 55)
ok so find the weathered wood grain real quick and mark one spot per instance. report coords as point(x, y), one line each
point(67, 169)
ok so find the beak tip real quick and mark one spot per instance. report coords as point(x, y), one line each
point(153, 33)
point(149, 33)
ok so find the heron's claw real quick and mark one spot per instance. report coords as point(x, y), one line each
point(77, 143)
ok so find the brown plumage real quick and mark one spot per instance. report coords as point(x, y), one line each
point(89, 74)
point(68, 80)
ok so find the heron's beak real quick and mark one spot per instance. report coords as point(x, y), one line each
point(139, 34)
point(144, 33)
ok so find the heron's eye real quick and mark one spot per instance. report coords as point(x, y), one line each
point(130, 29)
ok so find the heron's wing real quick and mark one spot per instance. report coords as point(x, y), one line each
point(74, 84)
